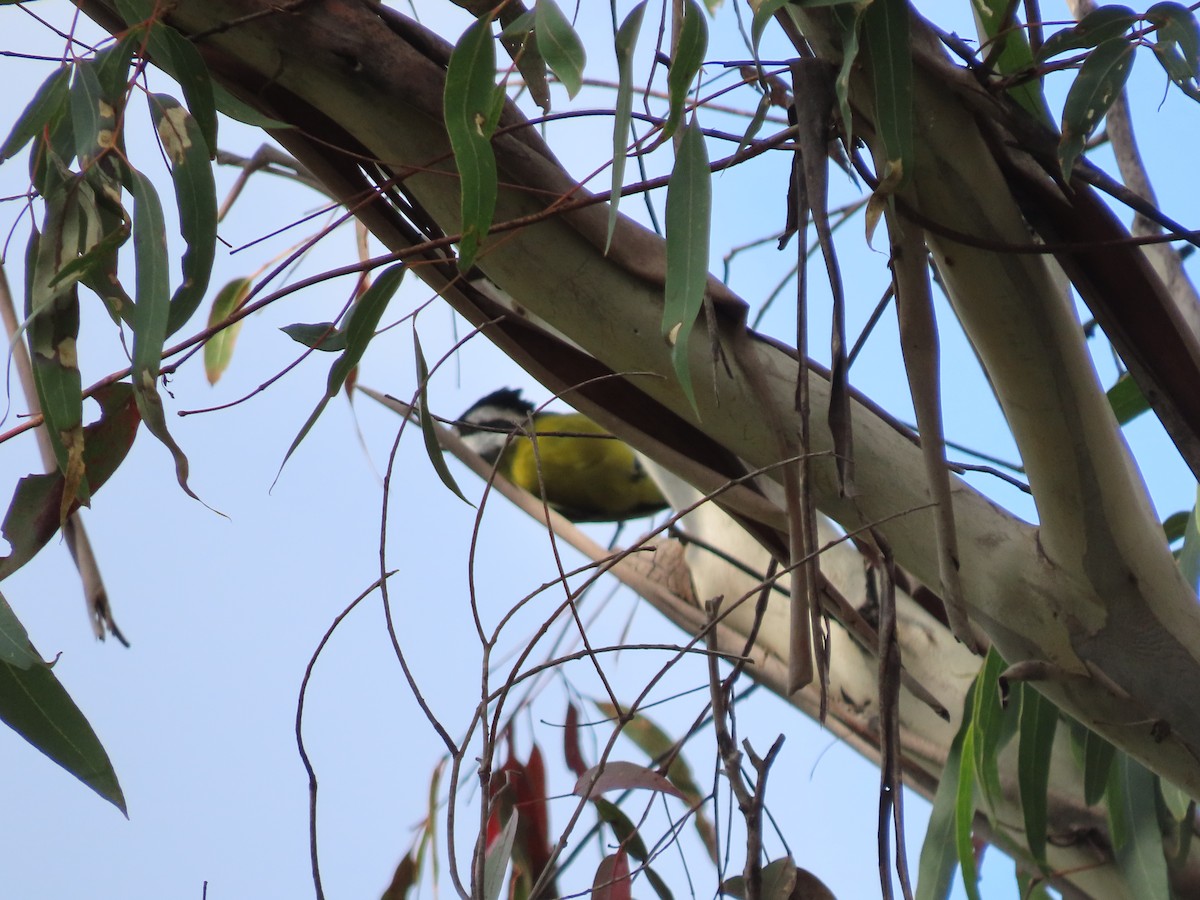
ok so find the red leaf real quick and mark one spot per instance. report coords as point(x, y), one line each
point(612, 878)
point(571, 742)
point(623, 776)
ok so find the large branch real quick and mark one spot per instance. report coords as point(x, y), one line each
point(1096, 596)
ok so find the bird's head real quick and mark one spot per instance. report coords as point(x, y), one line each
point(486, 425)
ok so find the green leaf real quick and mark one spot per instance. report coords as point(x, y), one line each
point(231, 106)
point(764, 12)
point(987, 721)
point(1127, 400)
point(324, 336)
point(849, 19)
point(885, 29)
point(93, 117)
point(15, 649)
point(48, 104)
point(624, 831)
point(196, 197)
point(37, 707)
point(625, 42)
point(1039, 721)
point(360, 328)
point(1189, 553)
point(151, 315)
point(470, 105)
point(1177, 27)
point(1097, 763)
point(939, 858)
point(495, 861)
point(1015, 56)
point(432, 447)
point(689, 55)
point(659, 884)
point(52, 323)
point(1176, 801)
point(182, 61)
point(1101, 24)
point(1097, 85)
point(218, 349)
point(560, 46)
point(1133, 815)
point(1175, 525)
point(964, 815)
point(689, 219)
point(152, 281)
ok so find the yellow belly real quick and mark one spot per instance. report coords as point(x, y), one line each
point(586, 478)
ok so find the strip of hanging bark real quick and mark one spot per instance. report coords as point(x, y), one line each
point(919, 344)
point(891, 796)
point(813, 91)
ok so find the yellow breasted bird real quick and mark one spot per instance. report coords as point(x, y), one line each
point(588, 475)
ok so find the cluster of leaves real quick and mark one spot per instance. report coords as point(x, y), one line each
point(1141, 806)
point(80, 172)
point(1110, 35)
point(473, 101)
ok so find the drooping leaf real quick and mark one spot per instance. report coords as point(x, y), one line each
point(153, 308)
point(624, 831)
point(1097, 764)
point(1178, 45)
point(495, 861)
point(850, 20)
point(182, 61)
point(360, 328)
point(243, 112)
point(1039, 721)
point(15, 649)
point(218, 350)
point(1189, 553)
point(885, 31)
point(1176, 801)
point(93, 116)
point(939, 857)
point(611, 881)
point(689, 55)
point(987, 723)
point(1137, 839)
point(1096, 86)
point(1101, 24)
point(404, 879)
point(324, 336)
point(1127, 400)
point(471, 112)
point(196, 197)
point(571, 752)
point(48, 104)
point(625, 42)
point(432, 448)
point(52, 331)
point(1175, 524)
point(36, 706)
point(560, 45)
point(964, 815)
point(1015, 57)
point(689, 218)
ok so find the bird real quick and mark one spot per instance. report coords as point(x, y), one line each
point(587, 474)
